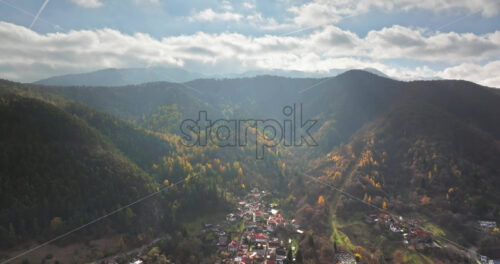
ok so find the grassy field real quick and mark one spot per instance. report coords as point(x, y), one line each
point(194, 226)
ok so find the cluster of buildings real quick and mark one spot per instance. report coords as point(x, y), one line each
point(411, 235)
point(486, 226)
point(258, 242)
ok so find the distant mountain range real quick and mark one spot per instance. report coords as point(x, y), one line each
point(134, 76)
point(121, 77)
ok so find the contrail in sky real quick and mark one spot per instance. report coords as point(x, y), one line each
point(39, 12)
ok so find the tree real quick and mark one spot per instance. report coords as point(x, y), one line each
point(289, 256)
point(121, 243)
point(425, 200)
point(357, 257)
point(310, 241)
point(56, 223)
point(321, 200)
point(298, 257)
point(12, 233)
point(129, 216)
point(165, 119)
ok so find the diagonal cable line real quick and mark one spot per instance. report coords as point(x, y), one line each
point(380, 209)
point(181, 83)
point(92, 222)
point(28, 13)
point(317, 83)
point(455, 21)
point(39, 12)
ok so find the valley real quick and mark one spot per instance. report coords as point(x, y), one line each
point(403, 173)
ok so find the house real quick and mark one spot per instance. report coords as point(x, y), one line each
point(244, 248)
point(275, 221)
point(420, 236)
point(271, 225)
point(220, 233)
point(280, 221)
point(259, 213)
point(250, 236)
point(232, 247)
point(231, 217)
point(420, 233)
point(222, 241)
point(260, 248)
point(251, 226)
point(243, 259)
point(486, 225)
point(262, 238)
point(396, 227)
point(136, 261)
point(259, 258)
point(274, 243)
point(280, 254)
point(385, 218)
point(371, 218)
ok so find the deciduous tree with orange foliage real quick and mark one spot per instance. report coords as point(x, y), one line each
point(321, 200)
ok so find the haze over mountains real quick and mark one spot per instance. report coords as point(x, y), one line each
point(133, 76)
point(428, 150)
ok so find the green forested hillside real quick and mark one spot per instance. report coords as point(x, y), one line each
point(141, 147)
point(131, 102)
point(64, 164)
point(56, 171)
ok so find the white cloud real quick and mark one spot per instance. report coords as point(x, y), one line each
point(249, 4)
point(27, 55)
point(226, 5)
point(147, 1)
point(211, 15)
point(266, 23)
point(320, 12)
point(88, 3)
point(402, 42)
point(487, 74)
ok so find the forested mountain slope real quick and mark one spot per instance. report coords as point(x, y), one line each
point(58, 171)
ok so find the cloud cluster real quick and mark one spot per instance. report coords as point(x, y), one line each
point(320, 12)
point(88, 3)
point(27, 55)
point(211, 15)
point(487, 74)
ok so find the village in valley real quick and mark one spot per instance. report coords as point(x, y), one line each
point(264, 235)
point(257, 230)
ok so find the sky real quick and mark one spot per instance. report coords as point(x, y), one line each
point(405, 39)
